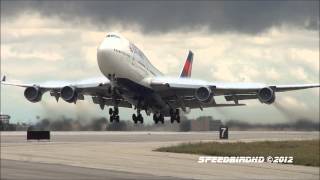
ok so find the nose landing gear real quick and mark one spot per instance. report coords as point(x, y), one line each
point(114, 114)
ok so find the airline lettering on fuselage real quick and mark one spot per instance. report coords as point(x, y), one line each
point(139, 62)
point(142, 58)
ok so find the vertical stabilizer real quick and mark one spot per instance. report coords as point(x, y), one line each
point(186, 71)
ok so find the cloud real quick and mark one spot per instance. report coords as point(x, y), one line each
point(223, 72)
point(300, 74)
point(169, 16)
point(305, 57)
point(45, 55)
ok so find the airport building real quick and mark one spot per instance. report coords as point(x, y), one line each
point(205, 123)
point(5, 123)
point(4, 119)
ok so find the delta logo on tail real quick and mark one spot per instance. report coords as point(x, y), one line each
point(186, 71)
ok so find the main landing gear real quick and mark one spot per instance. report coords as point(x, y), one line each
point(114, 114)
point(137, 118)
point(174, 116)
point(158, 117)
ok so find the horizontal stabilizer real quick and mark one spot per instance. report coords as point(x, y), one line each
point(3, 78)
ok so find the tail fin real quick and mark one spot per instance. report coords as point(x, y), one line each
point(186, 71)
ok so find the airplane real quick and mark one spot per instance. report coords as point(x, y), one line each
point(130, 80)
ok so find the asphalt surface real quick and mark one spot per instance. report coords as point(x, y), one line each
point(130, 155)
point(17, 170)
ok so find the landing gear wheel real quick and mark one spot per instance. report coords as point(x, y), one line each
point(134, 118)
point(114, 114)
point(174, 115)
point(117, 118)
point(140, 118)
point(161, 118)
point(110, 111)
point(155, 118)
point(116, 111)
point(178, 119)
point(158, 117)
point(171, 119)
point(178, 115)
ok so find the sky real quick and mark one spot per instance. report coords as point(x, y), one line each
point(274, 42)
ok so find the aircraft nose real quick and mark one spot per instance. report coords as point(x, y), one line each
point(104, 54)
point(105, 60)
point(105, 50)
point(105, 45)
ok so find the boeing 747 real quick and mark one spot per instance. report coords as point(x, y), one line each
point(130, 80)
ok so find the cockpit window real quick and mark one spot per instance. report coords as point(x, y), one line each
point(112, 35)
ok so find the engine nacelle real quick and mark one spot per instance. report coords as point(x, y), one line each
point(69, 94)
point(266, 95)
point(204, 94)
point(33, 94)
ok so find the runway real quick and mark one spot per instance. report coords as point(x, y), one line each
point(40, 171)
point(125, 155)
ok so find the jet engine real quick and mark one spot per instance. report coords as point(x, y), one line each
point(204, 94)
point(266, 95)
point(33, 94)
point(69, 94)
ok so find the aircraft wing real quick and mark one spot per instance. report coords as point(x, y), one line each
point(59, 84)
point(194, 103)
point(184, 89)
point(97, 88)
point(282, 88)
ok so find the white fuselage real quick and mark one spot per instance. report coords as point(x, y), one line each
point(117, 56)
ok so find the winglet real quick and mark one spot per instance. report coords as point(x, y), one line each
point(186, 71)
